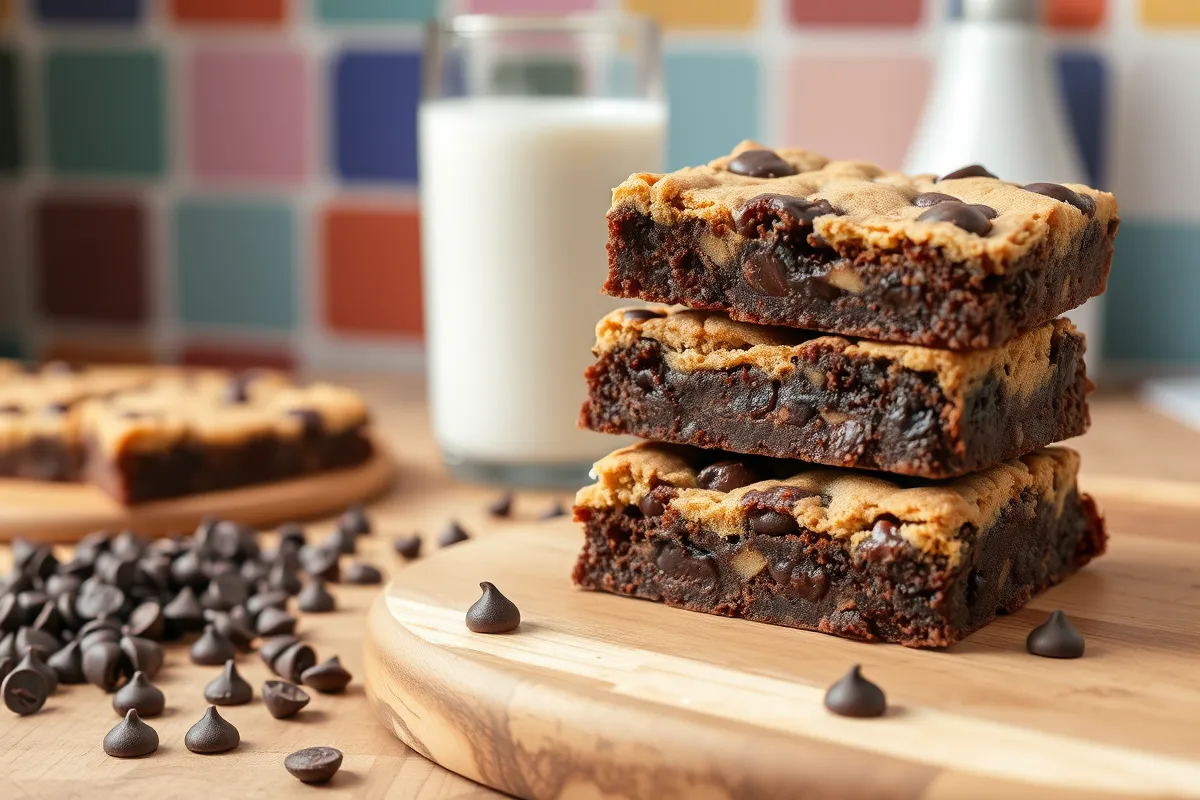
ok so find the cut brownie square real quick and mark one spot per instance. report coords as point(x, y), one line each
point(791, 238)
point(699, 378)
point(920, 563)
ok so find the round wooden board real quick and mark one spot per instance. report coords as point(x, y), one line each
point(64, 512)
point(597, 696)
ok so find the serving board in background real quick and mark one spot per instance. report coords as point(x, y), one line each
point(65, 512)
point(600, 696)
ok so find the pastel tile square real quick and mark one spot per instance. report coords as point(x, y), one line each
point(1170, 13)
point(1152, 290)
point(1076, 14)
point(825, 105)
point(699, 129)
point(104, 112)
point(683, 14)
point(10, 138)
point(91, 259)
point(236, 263)
point(341, 12)
point(862, 13)
point(529, 6)
point(89, 12)
point(371, 269)
point(376, 93)
point(1085, 90)
point(248, 114)
point(249, 355)
point(258, 13)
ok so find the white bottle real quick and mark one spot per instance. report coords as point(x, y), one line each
point(995, 101)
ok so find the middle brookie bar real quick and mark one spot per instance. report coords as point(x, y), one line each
point(700, 378)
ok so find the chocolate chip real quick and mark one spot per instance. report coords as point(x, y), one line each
point(315, 598)
point(766, 522)
point(232, 627)
point(272, 648)
point(1055, 638)
point(139, 695)
point(291, 536)
point(147, 621)
point(363, 574)
point(229, 688)
point(48, 619)
point(971, 171)
point(967, 217)
point(7, 665)
point(34, 658)
point(987, 211)
point(452, 534)
point(30, 602)
point(650, 506)
point(314, 764)
point(686, 564)
point(493, 612)
point(408, 547)
point(8, 646)
point(105, 665)
point(186, 570)
point(225, 591)
point(809, 582)
point(131, 738)
point(320, 562)
point(341, 541)
point(142, 655)
point(765, 273)
point(56, 408)
point(284, 578)
point(183, 614)
point(1085, 203)
point(25, 691)
point(212, 734)
point(211, 649)
point(929, 199)
point(552, 511)
point(57, 585)
point(236, 391)
point(354, 520)
point(760, 164)
point(855, 696)
point(725, 476)
point(67, 663)
point(275, 622)
point(782, 214)
point(328, 677)
point(283, 699)
point(98, 600)
point(641, 314)
point(32, 637)
point(291, 663)
point(312, 424)
point(275, 598)
point(502, 505)
point(10, 612)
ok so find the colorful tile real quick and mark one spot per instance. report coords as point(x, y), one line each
point(863, 13)
point(104, 112)
point(340, 12)
point(236, 263)
point(682, 14)
point(90, 351)
point(375, 115)
point(90, 257)
point(371, 270)
point(824, 106)
point(528, 6)
point(1151, 301)
point(1171, 13)
point(1084, 78)
point(1076, 14)
point(104, 12)
point(10, 139)
point(248, 356)
point(248, 113)
point(230, 12)
point(699, 130)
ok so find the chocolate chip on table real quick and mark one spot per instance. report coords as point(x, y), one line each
point(98, 630)
point(321, 563)
point(272, 648)
point(1084, 202)
point(25, 691)
point(139, 695)
point(146, 621)
point(292, 536)
point(98, 600)
point(7, 665)
point(211, 649)
point(555, 509)
point(291, 663)
point(760, 164)
point(725, 476)
point(8, 646)
point(314, 764)
point(493, 612)
point(32, 637)
point(340, 541)
point(48, 619)
point(31, 658)
point(315, 598)
point(10, 613)
point(275, 622)
point(929, 199)
point(229, 626)
point(967, 217)
point(407, 547)
point(142, 655)
point(362, 573)
point(502, 505)
point(970, 171)
point(328, 677)
point(1055, 638)
point(855, 696)
point(283, 699)
point(131, 738)
point(212, 734)
point(67, 663)
point(105, 665)
point(229, 688)
point(183, 614)
point(224, 592)
point(452, 534)
point(354, 520)
point(276, 598)
point(283, 577)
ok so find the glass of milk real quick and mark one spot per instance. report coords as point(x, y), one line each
point(526, 125)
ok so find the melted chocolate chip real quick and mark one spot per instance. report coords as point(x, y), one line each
point(1085, 203)
point(971, 171)
point(283, 699)
point(683, 564)
point(212, 734)
point(884, 544)
point(642, 314)
point(650, 506)
point(855, 696)
point(811, 583)
point(328, 677)
point(314, 764)
point(766, 522)
point(930, 199)
point(229, 688)
point(765, 273)
point(967, 217)
point(131, 738)
point(139, 695)
point(784, 213)
point(760, 164)
point(987, 211)
point(725, 476)
point(493, 612)
point(1055, 638)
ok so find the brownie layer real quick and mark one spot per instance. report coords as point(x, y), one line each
point(881, 588)
point(917, 295)
point(839, 406)
point(42, 458)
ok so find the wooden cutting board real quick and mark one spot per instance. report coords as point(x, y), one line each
point(601, 696)
point(65, 512)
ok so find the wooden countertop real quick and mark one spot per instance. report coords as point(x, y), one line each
point(56, 753)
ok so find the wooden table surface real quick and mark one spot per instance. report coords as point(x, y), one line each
point(57, 752)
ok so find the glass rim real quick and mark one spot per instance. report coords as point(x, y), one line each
point(580, 22)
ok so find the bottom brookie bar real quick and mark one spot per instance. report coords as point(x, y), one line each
point(920, 563)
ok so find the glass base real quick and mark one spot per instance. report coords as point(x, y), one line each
point(527, 476)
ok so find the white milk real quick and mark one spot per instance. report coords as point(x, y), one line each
point(513, 199)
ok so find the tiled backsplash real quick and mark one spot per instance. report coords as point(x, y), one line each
point(235, 180)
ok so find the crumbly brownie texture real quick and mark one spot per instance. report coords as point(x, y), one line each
point(838, 246)
point(699, 378)
point(914, 562)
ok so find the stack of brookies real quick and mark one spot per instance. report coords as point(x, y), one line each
point(851, 418)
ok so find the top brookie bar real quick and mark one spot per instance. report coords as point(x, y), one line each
point(790, 238)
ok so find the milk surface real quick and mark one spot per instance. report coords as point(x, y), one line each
point(513, 199)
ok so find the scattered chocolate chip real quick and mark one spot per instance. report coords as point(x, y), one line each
point(231, 628)
point(283, 699)
point(131, 738)
point(291, 663)
point(25, 691)
point(275, 622)
point(725, 476)
point(8, 646)
point(48, 619)
point(502, 505)
point(340, 541)
point(855, 696)
point(407, 547)
point(98, 630)
point(67, 663)
point(641, 315)
point(291, 536)
point(328, 677)
point(7, 665)
point(272, 648)
point(147, 621)
point(212, 649)
point(1085, 203)
point(283, 577)
point(105, 665)
point(555, 509)
point(321, 563)
point(33, 658)
point(650, 506)
point(183, 614)
point(212, 734)
point(929, 199)
point(760, 164)
point(142, 654)
point(98, 600)
point(314, 764)
point(361, 573)
point(971, 171)
point(354, 520)
point(493, 612)
point(10, 613)
point(229, 688)
point(225, 591)
point(139, 695)
point(56, 585)
point(969, 218)
point(315, 598)
point(32, 637)
point(1055, 638)
point(275, 598)
point(452, 534)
